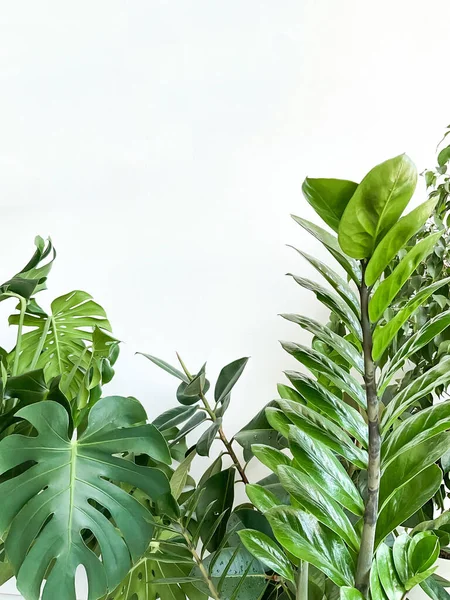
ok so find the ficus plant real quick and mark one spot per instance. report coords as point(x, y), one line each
point(357, 469)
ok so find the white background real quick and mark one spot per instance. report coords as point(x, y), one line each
point(162, 145)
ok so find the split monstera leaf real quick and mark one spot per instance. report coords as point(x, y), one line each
point(358, 469)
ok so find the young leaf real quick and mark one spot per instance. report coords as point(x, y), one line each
point(396, 239)
point(378, 202)
point(179, 477)
point(270, 457)
point(265, 550)
point(388, 575)
point(389, 287)
point(329, 198)
point(350, 593)
point(261, 497)
point(165, 366)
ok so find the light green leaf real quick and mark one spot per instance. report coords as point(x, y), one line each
point(350, 266)
point(262, 498)
point(329, 197)
point(278, 420)
point(289, 393)
point(316, 501)
point(343, 347)
point(62, 339)
point(396, 238)
point(389, 287)
point(65, 477)
point(317, 362)
point(325, 470)
point(179, 477)
point(325, 431)
point(400, 556)
point(388, 575)
point(423, 551)
point(323, 401)
point(350, 593)
point(406, 500)
point(378, 202)
point(265, 550)
point(434, 589)
point(438, 375)
point(421, 338)
point(376, 590)
point(383, 335)
point(303, 536)
point(333, 302)
point(336, 282)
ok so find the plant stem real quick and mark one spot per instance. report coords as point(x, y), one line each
point(366, 551)
point(302, 581)
point(226, 442)
point(23, 307)
point(209, 582)
point(40, 344)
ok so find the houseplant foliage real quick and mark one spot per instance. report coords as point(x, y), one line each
point(70, 458)
point(357, 468)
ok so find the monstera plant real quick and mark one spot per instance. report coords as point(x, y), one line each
point(357, 469)
point(72, 463)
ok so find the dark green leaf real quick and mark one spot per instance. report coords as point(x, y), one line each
point(207, 438)
point(216, 497)
point(228, 377)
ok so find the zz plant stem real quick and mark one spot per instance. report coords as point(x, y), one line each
point(373, 471)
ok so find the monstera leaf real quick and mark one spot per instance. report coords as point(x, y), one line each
point(65, 493)
point(64, 342)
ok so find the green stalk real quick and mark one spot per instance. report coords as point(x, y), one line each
point(302, 581)
point(23, 307)
point(373, 470)
point(203, 570)
point(40, 344)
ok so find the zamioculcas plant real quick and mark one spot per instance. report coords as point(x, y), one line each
point(357, 469)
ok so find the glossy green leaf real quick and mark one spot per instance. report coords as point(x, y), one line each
point(228, 377)
point(323, 401)
point(384, 335)
point(324, 431)
point(377, 204)
point(421, 338)
point(421, 426)
point(396, 238)
point(350, 266)
point(332, 301)
point(317, 362)
point(197, 385)
point(387, 573)
point(376, 590)
point(278, 420)
point(423, 551)
point(216, 497)
point(66, 475)
point(289, 393)
point(166, 367)
point(434, 589)
point(325, 469)
point(270, 457)
point(406, 500)
point(261, 497)
point(265, 550)
point(329, 197)
point(390, 287)
point(343, 347)
point(335, 280)
point(304, 537)
point(417, 389)
point(316, 501)
point(400, 556)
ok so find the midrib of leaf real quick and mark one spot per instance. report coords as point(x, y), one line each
point(73, 464)
point(55, 335)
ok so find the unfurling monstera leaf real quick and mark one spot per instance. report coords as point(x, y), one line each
point(67, 489)
point(357, 469)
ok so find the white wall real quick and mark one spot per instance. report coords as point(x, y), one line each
point(162, 145)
